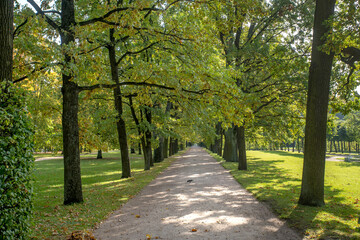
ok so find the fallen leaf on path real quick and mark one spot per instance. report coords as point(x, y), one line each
point(194, 230)
point(137, 216)
point(148, 236)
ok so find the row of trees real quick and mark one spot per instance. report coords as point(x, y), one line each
point(113, 74)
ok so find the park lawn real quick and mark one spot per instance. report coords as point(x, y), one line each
point(103, 189)
point(275, 178)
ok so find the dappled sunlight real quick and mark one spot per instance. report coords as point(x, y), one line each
point(188, 156)
point(193, 195)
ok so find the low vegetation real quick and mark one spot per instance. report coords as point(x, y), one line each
point(275, 178)
point(104, 192)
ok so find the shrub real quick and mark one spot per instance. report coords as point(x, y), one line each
point(16, 164)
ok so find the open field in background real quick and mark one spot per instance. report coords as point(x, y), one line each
point(103, 190)
point(275, 178)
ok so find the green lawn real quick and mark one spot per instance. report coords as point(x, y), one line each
point(275, 178)
point(103, 190)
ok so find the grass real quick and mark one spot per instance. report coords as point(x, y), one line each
point(275, 178)
point(103, 189)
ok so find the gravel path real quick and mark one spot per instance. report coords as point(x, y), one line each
point(195, 198)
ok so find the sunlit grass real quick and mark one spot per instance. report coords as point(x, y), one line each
point(103, 189)
point(275, 178)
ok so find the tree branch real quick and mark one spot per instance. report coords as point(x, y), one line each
point(108, 14)
point(18, 27)
point(136, 52)
point(42, 13)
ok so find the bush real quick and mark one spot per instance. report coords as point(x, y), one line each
point(16, 164)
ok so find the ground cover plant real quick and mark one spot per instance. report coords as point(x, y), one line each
point(104, 191)
point(275, 178)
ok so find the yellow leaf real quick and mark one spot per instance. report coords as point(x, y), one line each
point(148, 236)
point(137, 216)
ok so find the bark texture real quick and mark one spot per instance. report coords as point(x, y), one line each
point(230, 146)
point(242, 148)
point(120, 124)
point(159, 151)
point(6, 39)
point(312, 188)
point(70, 91)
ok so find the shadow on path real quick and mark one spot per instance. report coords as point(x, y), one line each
point(195, 198)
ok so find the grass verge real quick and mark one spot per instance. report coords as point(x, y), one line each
point(103, 189)
point(275, 178)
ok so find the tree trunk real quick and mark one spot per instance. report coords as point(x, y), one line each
point(302, 144)
point(120, 124)
point(342, 146)
point(146, 154)
point(166, 147)
point(159, 151)
point(132, 150)
point(334, 143)
point(221, 142)
point(176, 146)
point(217, 143)
point(312, 188)
point(139, 148)
point(242, 148)
point(349, 144)
point(298, 144)
point(70, 127)
point(99, 154)
point(6, 40)
point(293, 148)
point(171, 147)
point(148, 137)
point(230, 147)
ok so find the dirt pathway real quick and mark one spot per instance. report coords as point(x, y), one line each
point(195, 198)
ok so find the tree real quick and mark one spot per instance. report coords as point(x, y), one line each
point(312, 187)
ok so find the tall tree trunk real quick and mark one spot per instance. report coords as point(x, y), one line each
point(70, 91)
point(147, 164)
point(99, 154)
point(6, 40)
point(335, 146)
point(166, 147)
point(349, 144)
point(159, 151)
point(342, 146)
point(312, 188)
point(148, 137)
point(143, 139)
point(293, 148)
point(217, 143)
point(171, 146)
point(242, 148)
point(230, 147)
point(139, 148)
point(221, 142)
point(330, 150)
point(120, 123)
point(298, 144)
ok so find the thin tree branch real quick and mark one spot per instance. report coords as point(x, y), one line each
point(108, 14)
point(42, 13)
point(18, 28)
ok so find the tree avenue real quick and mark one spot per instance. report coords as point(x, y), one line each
point(165, 73)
